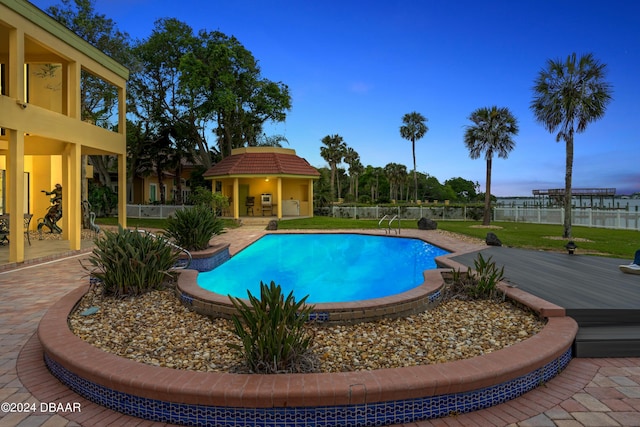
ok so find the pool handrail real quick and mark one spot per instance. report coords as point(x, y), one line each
point(173, 245)
point(388, 229)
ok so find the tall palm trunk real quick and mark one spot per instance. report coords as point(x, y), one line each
point(567, 185)
point(415, 174)
point(333, 181)
point(486, 219)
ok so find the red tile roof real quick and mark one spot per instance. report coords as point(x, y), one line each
point(262, 163)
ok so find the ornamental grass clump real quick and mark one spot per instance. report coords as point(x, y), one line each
point(479, 283)
point(193, 228)
point(129, 263)
point(274, 338)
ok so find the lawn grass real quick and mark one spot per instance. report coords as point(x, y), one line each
point(328, 223)
point(598, 241)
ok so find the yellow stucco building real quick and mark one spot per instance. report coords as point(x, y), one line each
point(42, 134)
point(265, 181)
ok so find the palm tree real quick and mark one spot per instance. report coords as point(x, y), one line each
point(568, 95)
point(413, 128)
point(333, 152)
point(491, 134)
point(396, 174)
point(352, 158)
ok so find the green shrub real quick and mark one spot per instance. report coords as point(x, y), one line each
point(192, 228)
point(201, 196)
point(479, 283)
point(204, 196)
point(128, 263)
point(486, 276)
point(272, 331)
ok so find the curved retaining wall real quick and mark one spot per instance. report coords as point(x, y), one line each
point(364, 398)
point(412, 301)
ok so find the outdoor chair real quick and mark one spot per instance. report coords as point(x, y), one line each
point(27, 222)
point(4, 229)
point(250, 203)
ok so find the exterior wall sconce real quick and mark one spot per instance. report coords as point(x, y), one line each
point(571, 247)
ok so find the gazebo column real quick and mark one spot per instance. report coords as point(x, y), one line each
point(236, 201)
point(310, 198)
point(279, 197)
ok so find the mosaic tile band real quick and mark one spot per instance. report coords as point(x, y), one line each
point(357, 415)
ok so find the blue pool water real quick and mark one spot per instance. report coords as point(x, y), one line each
point(327, 267)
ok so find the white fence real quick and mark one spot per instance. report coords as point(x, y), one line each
point(404, 212)
point(153, 211)
point(588, 217)
point(603, 218)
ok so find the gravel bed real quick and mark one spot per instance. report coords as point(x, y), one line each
point(158, 330)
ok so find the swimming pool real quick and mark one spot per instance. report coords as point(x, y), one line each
point(327, 267)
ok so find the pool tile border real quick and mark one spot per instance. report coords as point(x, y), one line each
point(360, 414)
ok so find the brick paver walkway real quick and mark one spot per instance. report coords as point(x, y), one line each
point(590, 392)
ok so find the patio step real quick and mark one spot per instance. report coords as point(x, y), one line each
point(256, 220)
point(604, 316)
point(621, 340)
point(606, 332)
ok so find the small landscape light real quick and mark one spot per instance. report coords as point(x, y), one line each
point(571, 247)
point(89, 311)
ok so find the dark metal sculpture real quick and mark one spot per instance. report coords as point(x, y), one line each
point(54, 212)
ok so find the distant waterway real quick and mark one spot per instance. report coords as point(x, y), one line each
point(632, 205)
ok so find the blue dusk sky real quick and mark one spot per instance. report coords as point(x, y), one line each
point(354, 68)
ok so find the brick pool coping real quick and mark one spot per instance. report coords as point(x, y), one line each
point(93, 372)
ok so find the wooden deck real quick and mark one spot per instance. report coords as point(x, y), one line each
point(604, 301)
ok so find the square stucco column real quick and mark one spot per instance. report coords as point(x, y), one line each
point(122, 190)
point(71, 195)
point(16, 192)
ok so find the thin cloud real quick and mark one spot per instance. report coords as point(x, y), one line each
point(360, 87)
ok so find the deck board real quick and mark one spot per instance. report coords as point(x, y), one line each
point(570, 281)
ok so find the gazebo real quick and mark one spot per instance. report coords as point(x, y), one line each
point(265, 181)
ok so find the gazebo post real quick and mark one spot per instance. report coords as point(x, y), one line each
point(279, 197)
point(310, 196)
point(236, 201)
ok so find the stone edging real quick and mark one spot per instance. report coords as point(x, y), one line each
point(75, 361)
